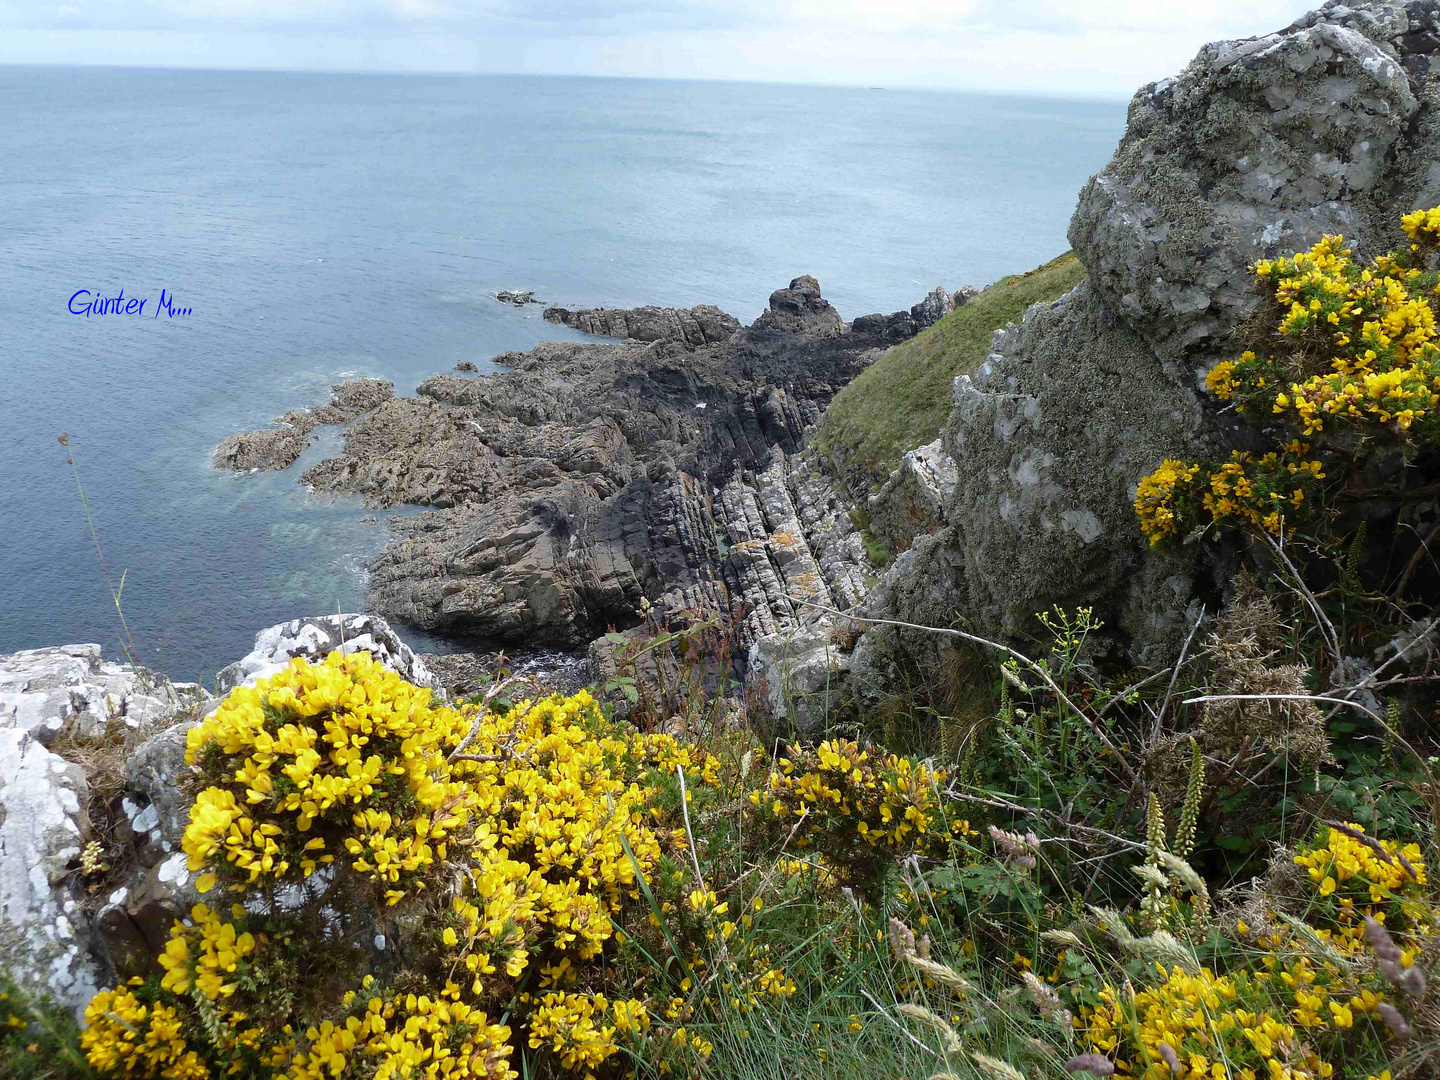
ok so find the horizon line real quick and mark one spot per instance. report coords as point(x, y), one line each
point(1072, 96)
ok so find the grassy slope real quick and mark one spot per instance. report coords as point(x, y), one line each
point(902, 400)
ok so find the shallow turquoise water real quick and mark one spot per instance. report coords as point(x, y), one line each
point(323, 226)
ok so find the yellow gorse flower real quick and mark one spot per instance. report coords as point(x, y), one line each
point(1353, 345)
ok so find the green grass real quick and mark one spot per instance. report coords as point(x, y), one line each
point(902, 400)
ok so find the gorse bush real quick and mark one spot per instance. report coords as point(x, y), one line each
point(1343, 352)
point(508, 846)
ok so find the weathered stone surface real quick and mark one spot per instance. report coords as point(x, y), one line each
point(803, 674)
point(58, 934)
point(70, 688)
point(702, 325)
point(315, 637)
point(66, 698)
point(278, 447)
point(913, 500)
point(800, 309)
point(932, 309)
point(1257, 148)
point(43, 938)
point(587, 479)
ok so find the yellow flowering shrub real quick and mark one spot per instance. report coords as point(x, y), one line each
point(1349, 346)
point(1353, 879)
point(510, 848)
point(860, 809)
point(1264, 492)
point(1303, 997)
point(1210, 1025)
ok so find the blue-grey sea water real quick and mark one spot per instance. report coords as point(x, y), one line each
point(318, 227)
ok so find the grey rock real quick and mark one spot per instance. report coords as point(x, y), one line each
point(1257, 148)
point(913, 500)
point(701, 325)
point(315, 637)
point(279, 446)
point(932, 309)
point(71, 689)
point(800, 309)
point(803, 674)
point(516, 297)
point(43, 827)
point(56, 700)
point(587, 479)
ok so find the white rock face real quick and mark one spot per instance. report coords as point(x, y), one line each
point(44, 826)
point(803, 671)
point(42, 829)
point(71, 686)
point(315, 637)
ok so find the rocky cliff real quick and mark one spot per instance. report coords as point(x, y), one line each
point(591, 483)
point(1257, 148)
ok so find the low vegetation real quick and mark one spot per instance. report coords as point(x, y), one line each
point(901, 401)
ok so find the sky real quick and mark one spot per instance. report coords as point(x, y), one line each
point(1091, 48)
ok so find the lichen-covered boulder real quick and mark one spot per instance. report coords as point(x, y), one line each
point(64, 700)
point(1256, 149)
point(43, 939)
point(72, 688)
point(315, 637)
point(913, 500)
point(803, 672)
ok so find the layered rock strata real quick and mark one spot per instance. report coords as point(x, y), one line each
point(592, 485)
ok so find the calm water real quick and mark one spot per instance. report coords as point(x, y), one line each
point(323, 226)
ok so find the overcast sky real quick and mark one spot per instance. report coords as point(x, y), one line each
point(1082, 47)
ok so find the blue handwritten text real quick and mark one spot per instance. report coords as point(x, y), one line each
point(87, 303)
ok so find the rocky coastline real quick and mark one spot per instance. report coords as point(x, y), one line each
point(657, 479)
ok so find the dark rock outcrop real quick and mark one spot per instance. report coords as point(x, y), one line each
point(278, 447)
point(800, 309)
point(589, 485)
point(704, 324)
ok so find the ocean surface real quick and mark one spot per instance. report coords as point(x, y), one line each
point(318, 227)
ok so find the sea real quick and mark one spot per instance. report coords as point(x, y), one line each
point(310, 228)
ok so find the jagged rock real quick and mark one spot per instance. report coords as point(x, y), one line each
point(932, 309)
point(891, 329)
point(1257, 148)
point(800, 309)
point(315, 637)
point(70, 700)
point(586, 478)
point(701, 325)
point(278, 447)
point(516, 297)
point(466, 365)
point(360, 395)
point(72, 689)
point(913, 499)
